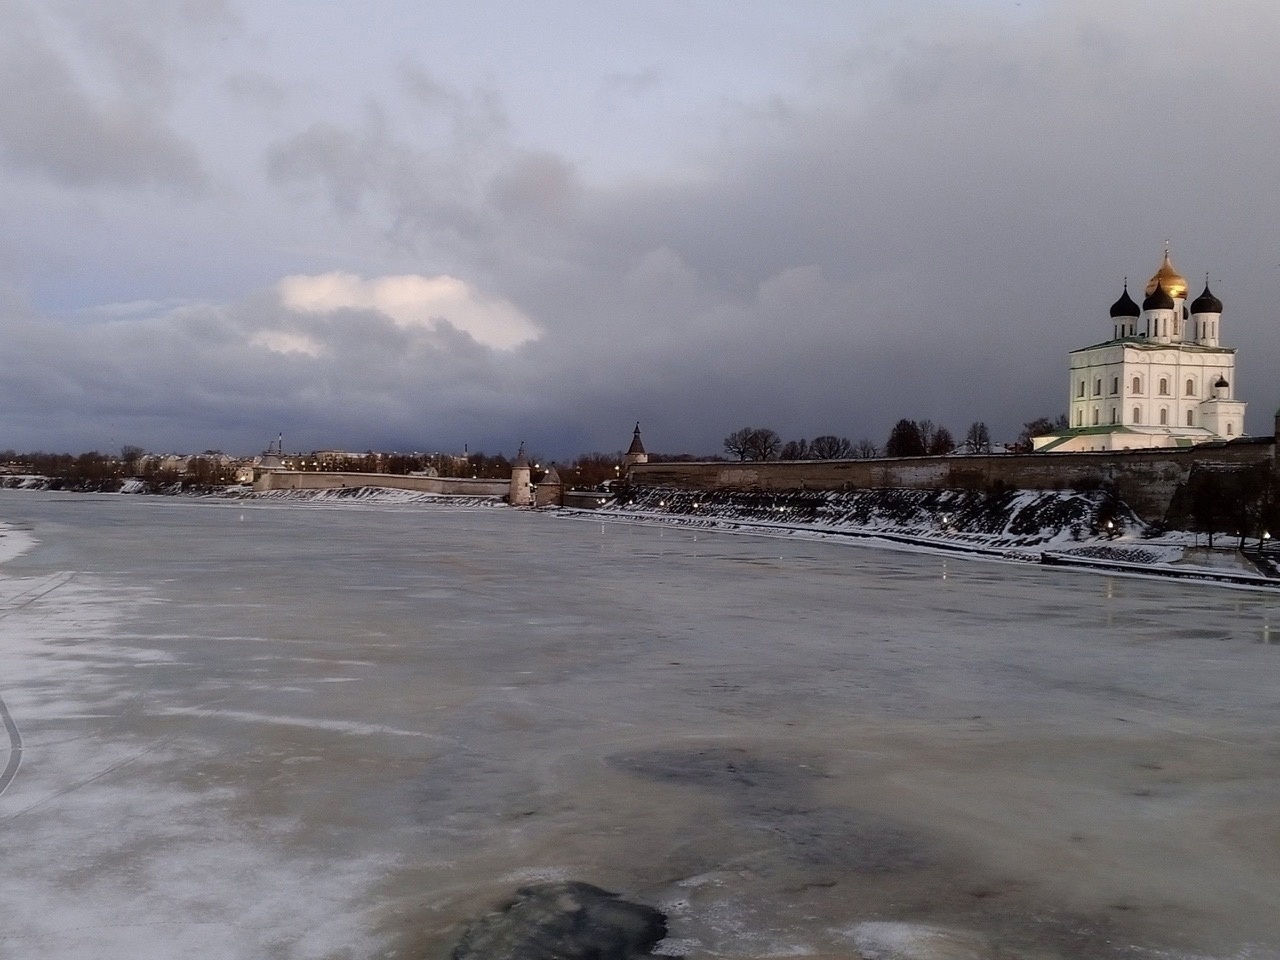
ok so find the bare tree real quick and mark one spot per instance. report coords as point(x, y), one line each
point(828, 447)
point(753, 443)
point(737, 443)
point(865, 449)
point(978, 438)
point(764, 444)
point(1038, 427)
point(795, 450)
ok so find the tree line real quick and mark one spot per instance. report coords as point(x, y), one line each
point(908, 438)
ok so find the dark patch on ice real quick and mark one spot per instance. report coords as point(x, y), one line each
point(724, 769)
point(774, 798)
point(563, 921)
point(842, 839)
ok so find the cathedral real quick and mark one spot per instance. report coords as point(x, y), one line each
point(1162, 379)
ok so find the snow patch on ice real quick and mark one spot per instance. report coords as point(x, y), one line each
point(14, 542)
point(110, 854)
point(314, 723)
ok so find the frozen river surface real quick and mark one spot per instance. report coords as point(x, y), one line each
point(291, 731)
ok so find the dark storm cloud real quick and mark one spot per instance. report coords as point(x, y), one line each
point(929, 248)
point(372, 378)
point(923, 228)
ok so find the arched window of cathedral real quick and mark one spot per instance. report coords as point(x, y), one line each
point(1230, 429)
point(1191, 387)
point(1095, 416)
point(1080, 389)
point(1079, 418)
point(1137, 415)
point(1191, 419)
point(1097, 387)
point(1164, 386)
point(1114, 413)
point(1115, 385)
point(1137, 384)
point(1164, 416)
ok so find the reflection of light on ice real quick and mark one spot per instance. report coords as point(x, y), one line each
point(911, 941)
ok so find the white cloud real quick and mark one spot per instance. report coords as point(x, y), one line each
point(410, 300)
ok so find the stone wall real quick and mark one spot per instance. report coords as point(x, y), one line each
point(319, 480)
point(1145, 479)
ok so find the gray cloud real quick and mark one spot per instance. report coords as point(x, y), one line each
point(52, 125)
point(923, 228)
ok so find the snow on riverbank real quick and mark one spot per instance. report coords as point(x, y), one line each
point(1066, 527)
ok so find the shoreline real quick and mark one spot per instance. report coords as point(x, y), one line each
point(1056, 550)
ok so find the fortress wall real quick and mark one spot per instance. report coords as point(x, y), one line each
point(316, 480)
point(1145, 479)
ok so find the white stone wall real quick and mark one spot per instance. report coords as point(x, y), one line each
point(1102, 385)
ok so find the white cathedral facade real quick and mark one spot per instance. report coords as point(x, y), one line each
point(1163, 379)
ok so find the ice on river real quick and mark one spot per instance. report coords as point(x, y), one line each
point(342, 731)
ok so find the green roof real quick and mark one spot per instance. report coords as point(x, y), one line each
point(1071, 434)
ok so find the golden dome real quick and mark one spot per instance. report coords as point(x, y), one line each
point(1174, 283)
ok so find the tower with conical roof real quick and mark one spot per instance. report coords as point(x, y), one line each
point(521, 491)
point(1163, 379)
point(636, 452)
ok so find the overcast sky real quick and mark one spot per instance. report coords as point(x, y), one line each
point(412, 225)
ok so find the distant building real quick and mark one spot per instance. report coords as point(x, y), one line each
point(1162, 379)
point(636, 452)
point(520, 493)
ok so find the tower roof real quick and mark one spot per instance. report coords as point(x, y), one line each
point(636, 445)
point(1125, 307)
point(522, 462)
point(1159, 298)
point(1206, 302)
point(1174, 283)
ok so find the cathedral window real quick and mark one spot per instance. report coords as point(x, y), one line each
point(1191, 388)
point(1115, 385)
point(1079, 418)
point(1097, 387)
point(1080, 389)
point(1095, 416)
point(1191, 419)
point(1137, 415)
point(1164, 416)
point(1230, 429)
point(1164, 386)
point(1114, 414)
point(1137, 384)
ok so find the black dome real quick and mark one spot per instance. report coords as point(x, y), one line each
point(1125, 307)
point(1222, 382)
point(1206, 302)
point(1158, 300)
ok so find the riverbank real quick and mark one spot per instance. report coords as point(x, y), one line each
point(1083, 530)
